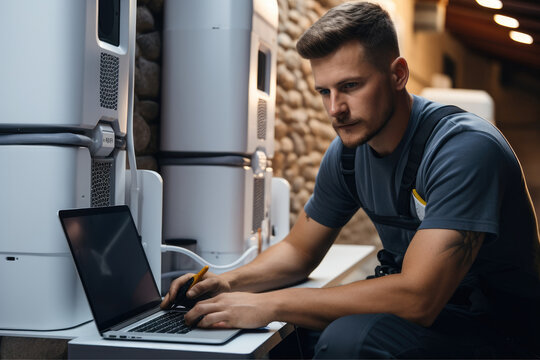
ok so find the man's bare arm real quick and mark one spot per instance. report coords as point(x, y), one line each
point(287, 262)
point(434, 265)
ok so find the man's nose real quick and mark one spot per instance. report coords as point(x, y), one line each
point(337, 106)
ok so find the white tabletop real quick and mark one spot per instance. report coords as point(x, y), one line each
point(338, 263)
point(85, 329)
point(249, 343)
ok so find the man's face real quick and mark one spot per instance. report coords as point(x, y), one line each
point(358, 97)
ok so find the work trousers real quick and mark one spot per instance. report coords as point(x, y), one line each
point(385, 336)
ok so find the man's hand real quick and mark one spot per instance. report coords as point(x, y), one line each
point(210, 285)
point(232, 310)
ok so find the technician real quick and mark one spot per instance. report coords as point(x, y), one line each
point(461, 283)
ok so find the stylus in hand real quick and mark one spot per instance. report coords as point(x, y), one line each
point(181, 298)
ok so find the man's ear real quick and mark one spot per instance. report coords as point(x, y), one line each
point(400, 72)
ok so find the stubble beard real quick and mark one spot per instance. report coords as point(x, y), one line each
point(359, 122)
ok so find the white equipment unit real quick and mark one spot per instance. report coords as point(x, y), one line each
point(66, 100)
point(478, 102)
point(66, 65)
point(222, 206)
point(217, 131)
point(219, 92)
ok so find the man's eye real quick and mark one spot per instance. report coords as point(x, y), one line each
point(350, 85)
point(324, 92)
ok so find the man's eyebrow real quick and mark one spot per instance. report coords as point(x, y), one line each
point(341, 82)
point(351, 79)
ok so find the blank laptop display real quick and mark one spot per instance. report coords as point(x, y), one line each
point(118, 281)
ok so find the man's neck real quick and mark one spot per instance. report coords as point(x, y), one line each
point(389, 138)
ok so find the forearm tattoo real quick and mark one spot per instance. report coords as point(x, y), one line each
point(465, 246)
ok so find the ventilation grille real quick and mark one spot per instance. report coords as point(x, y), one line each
point(108, 81)
point(261, 119)
point(102, 179)
point(258, 203)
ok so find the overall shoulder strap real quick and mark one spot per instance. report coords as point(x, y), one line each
point(423, 132)
point(347, 169)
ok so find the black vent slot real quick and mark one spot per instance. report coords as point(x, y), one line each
point(261, 72)
point(109, 21)
point(108, 81)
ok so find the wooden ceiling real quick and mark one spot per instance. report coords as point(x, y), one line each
point(473, 25)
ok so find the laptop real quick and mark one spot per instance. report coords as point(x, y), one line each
point(118, 281)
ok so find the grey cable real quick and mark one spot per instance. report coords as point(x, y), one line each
point(46, 139)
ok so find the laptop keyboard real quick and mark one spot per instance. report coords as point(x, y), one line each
point(171, 322)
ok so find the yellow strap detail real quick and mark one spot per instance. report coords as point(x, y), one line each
point(418, 197)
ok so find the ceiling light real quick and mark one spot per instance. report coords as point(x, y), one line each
point(506, 21)
point(521, 37)
point(492, 4)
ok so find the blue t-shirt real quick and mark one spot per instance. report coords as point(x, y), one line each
point(471, 181)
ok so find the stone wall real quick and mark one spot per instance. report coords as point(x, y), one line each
point(146, 115)
point(302, 130)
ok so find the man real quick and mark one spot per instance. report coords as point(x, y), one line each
point(463, 284)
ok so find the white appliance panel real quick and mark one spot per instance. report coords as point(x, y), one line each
point(221, 207)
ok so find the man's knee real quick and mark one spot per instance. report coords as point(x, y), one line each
point(352, 337)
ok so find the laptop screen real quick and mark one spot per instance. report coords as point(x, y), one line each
point(111, 263)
